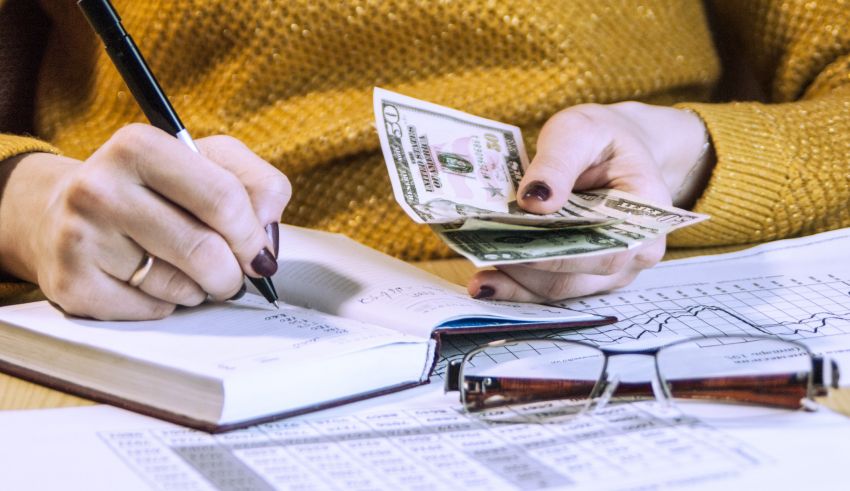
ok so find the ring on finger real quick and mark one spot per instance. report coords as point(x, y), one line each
point(142, 271)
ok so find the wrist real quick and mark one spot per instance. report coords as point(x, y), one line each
point(688, 165)
point(29, 184)
point(696, 178)
point(680, 145)
point(689, 187)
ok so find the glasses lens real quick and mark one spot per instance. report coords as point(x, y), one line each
point(767, 372)
point(530, 379)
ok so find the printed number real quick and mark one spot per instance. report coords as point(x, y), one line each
point(492, 142)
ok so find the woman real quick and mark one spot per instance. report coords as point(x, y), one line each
point(292, 81)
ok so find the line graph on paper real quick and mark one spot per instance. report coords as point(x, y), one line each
point(813, 309)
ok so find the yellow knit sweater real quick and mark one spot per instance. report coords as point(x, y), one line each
point(293, 79)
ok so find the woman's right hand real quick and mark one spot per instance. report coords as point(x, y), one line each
point(80, 229)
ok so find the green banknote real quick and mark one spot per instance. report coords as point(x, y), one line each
point(489, 247)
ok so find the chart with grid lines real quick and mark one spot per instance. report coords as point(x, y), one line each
point(794, 308)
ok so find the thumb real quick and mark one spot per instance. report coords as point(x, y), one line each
point(569, 143)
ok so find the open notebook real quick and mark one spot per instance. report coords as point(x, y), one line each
point(356, 324)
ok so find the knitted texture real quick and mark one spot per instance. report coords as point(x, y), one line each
point(783, 169)
point(294, 81)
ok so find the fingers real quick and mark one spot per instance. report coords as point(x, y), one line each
point(570, 278)
point(493, 284)
point(541, 286)
point(560, 286)
point(177, 239)
point(268, 189)
point(206, 190)
point(168, 283)
point(97, 295)
point(600, 264)
point(569, 143)
point(87, 275)
point(134, 304)
point(163, 281)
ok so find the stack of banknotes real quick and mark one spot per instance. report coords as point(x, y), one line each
point(459, 173)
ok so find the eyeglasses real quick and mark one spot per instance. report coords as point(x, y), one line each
point(517, 374)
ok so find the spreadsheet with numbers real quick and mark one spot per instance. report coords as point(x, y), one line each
point(433, 448)
point(421, 443)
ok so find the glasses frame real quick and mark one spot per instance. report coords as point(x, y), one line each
point(605, 387)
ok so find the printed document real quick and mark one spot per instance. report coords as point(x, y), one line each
point(426, 443)
point(420, 439)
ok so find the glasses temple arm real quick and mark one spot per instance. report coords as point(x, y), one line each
point(786, 390)
point(482, 392)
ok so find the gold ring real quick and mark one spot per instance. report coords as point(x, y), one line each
point(142, 271)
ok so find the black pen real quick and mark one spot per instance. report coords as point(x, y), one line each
point(134, 70)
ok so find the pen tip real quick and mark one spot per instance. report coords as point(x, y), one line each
point(276, 305)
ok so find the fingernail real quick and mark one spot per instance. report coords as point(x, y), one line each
point(484, 291)
point(537, 190)
point(273, 231)
point(264, 264)
point(240, 293)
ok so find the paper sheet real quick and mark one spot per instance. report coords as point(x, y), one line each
point(425, 443)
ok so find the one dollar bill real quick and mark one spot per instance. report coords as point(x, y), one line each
point(459, 173)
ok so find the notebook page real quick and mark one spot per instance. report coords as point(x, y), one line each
point(334, 274)
point(215, 340)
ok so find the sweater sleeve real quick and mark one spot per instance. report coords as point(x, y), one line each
point(15, 291)
point(12, 145)
point(783, 166)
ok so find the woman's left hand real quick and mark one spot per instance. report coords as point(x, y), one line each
point(649, 151)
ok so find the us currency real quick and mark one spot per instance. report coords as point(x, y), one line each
point(447, 166)
point(498, 247)
point(459, 173)
point(629, 223)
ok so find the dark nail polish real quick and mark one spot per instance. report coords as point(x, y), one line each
point(484, 291)
point(264, 264)
point(240, 293)
point(537, 190)
point(273, 231)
